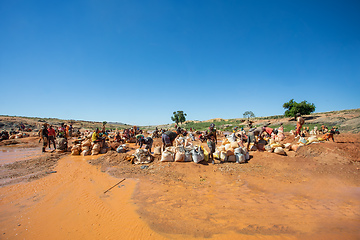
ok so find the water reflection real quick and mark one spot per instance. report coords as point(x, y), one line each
point(10, 155)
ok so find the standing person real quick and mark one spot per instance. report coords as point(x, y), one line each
point(44, 134)
point(70, 130)
point(211, 141)
point(51, 136)
point(66, 131)
point(250, 124)
point(299, 123)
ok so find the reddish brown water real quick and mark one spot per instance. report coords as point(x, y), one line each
point(10, 155)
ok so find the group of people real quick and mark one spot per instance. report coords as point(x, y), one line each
point(253, 136)
point(303, 131)
point(129, 133)
point(48, 135)
point(5, 135)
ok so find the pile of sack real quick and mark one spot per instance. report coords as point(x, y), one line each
point(19, 135)
point(183, 141)
point(281, 149)
point(277, 148)
point(183, 154)
point(87, 147)
point(185, 151)
point(230, 151)
point(142, 156)
point(121, 148)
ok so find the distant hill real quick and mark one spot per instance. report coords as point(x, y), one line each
point(346, 120)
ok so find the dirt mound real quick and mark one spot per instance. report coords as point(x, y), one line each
point(343, 151)
point(9, 142)
point(27, 142)
point(323, 153)
point(111, 158)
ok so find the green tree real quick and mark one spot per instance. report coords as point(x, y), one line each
point(178, 117)
point(304, 108)
point(248, 114)
point(104, 123)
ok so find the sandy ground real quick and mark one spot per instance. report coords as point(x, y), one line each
point(311, 194)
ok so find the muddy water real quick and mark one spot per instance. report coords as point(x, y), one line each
point(10, 155)
point(71, 204)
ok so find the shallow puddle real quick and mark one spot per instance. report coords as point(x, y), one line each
point(10, 155)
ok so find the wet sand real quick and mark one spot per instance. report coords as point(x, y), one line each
point(71, 204)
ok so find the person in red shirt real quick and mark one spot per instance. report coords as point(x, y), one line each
point(51, 136)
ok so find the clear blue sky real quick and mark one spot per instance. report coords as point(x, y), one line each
point(138, 61)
